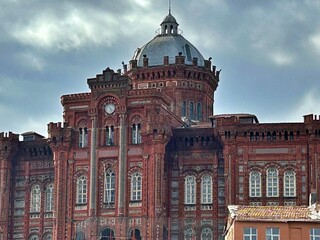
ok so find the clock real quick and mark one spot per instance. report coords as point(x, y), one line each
point(109, 108)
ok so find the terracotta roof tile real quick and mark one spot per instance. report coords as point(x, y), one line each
point(278, 213)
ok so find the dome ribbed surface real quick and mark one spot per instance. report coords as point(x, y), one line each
point(167, 45)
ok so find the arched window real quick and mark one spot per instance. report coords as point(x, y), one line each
point(272, 183)
point(136, 133)
point(274, 136)
point(136, 187)
point(268, 136)
point(190, 190)
point(184, 109)
point(289, 184)
point(206, 189)
point(110, 187)
point(35, 199)
point(255, 184)
point(191, 111)
point(257, 136)
point(47, 236)
point(34, 237)
point(82, 190)
point(286, 135)
point(199, 111)
point(206, 234)
point(291, 136)
point(109, 135)
point(251, 136)
point(107, 234)
point(189, 234)
point(83, 137)
point(136, 233)
point(49, 198)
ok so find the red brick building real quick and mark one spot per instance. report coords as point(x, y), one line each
point(141, 155)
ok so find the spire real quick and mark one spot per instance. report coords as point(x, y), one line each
point(169, 24)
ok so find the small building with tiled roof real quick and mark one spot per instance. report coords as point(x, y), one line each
point(273, 222)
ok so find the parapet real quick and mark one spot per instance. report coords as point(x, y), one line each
point(310, 118)
point(9, 136)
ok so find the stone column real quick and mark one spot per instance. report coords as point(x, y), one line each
point(93, 168)
point(122, 165)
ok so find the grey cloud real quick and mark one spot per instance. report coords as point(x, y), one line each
point(268, 50)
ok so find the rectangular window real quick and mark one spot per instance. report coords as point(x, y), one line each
point(249, 233)
point(272, 183)
point(136, 134)
point(83, 137)
point(289, 183)
point(255, 184)
point(272, 234)
point(109, 196)
point(206, 189)
point(190, 190)
point(109, 136)
point(315, 234)
point(136, 187)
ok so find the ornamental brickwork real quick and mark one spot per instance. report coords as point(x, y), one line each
point(142, 156)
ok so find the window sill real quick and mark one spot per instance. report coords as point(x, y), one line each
point(108, 205)
point(34, 215)
point(206, 206)
point(189, 207)
point(135, 204)
point(81, 206)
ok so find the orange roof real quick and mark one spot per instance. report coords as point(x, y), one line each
point(271, 213)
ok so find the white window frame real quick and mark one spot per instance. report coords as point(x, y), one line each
point(82, 189)
point(206, 234)
point(136, 133)
point(255, 184)
point(83, 137)
point(190, 189)
point(251, 234)
point(110, 135)
point(34, 237)
point(109, 186)
point(272, 233)
point(49, 198)
point(314, 233)
point(289, 184)
point(206, 189)
point(136, 186)
point(35, 199)
point(189, 234)
point(272, 182)
point(48, 236)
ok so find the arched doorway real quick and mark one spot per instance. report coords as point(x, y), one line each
point(107, 234)
point(135, 234)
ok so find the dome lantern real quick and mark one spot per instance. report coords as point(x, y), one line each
point(169, 25)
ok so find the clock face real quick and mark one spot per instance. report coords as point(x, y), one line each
point(109, 108)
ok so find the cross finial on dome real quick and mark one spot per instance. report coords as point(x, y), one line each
point(169, 6)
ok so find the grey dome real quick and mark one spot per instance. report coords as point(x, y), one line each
point(167, 45)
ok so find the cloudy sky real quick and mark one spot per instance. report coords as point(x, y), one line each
point(269, 52)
